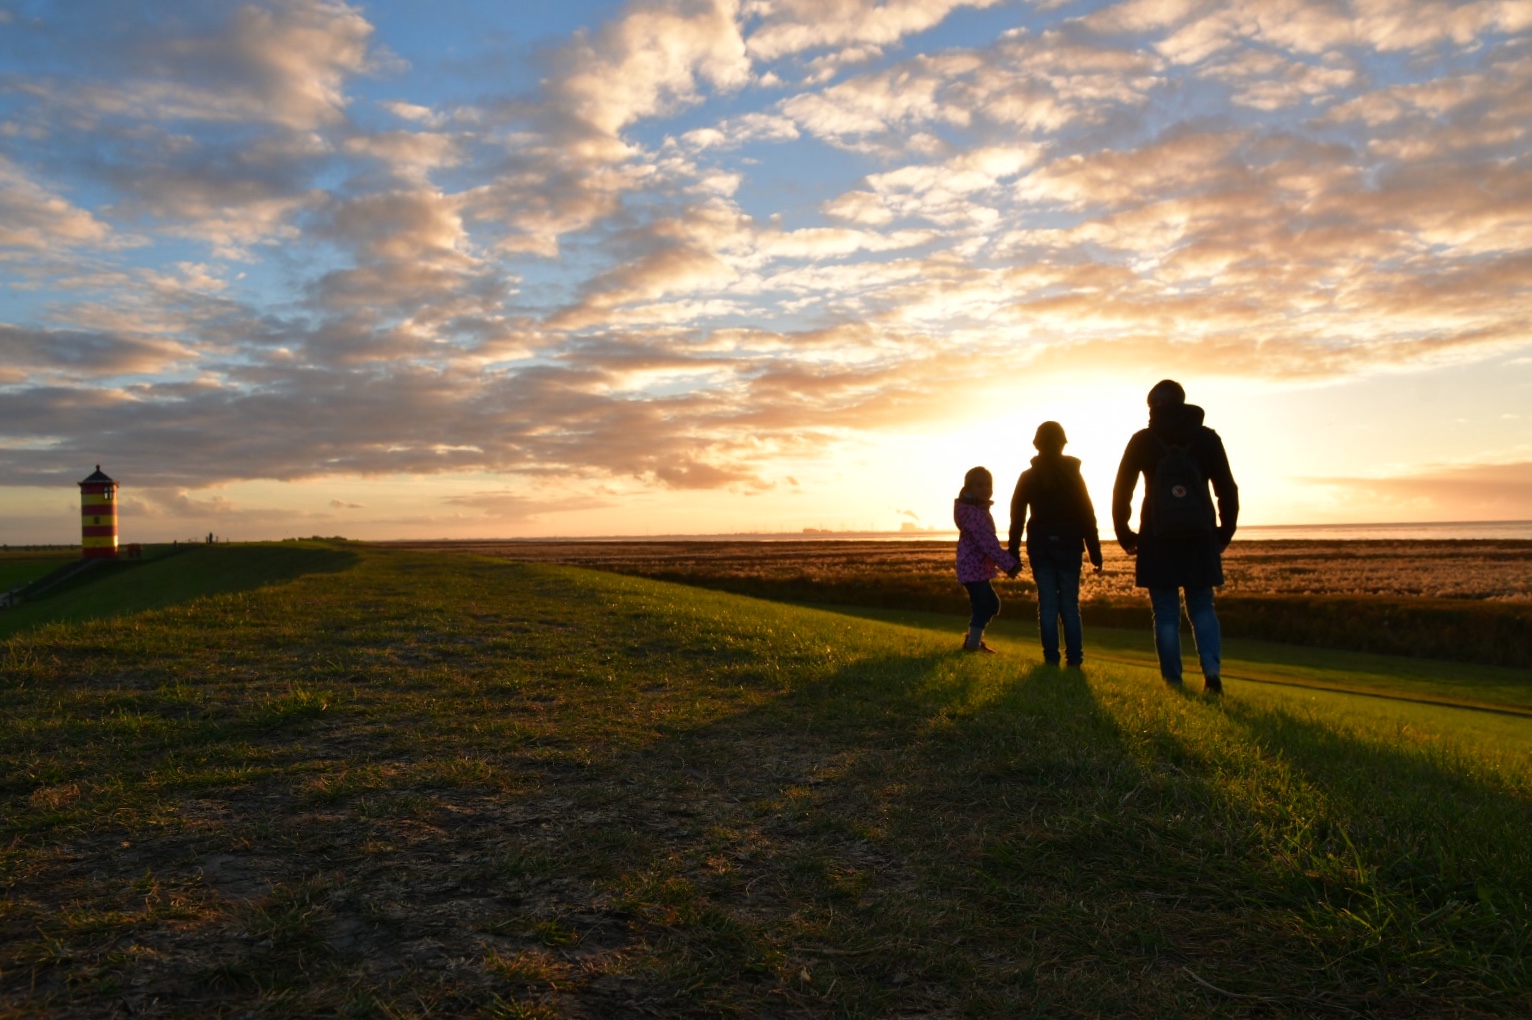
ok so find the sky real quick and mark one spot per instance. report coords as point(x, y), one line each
point(458, 269)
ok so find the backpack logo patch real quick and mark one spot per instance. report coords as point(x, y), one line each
point(1178, 504)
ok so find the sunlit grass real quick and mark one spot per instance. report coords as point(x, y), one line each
point(435, 785)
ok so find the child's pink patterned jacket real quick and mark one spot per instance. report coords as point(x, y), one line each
point(979, 553)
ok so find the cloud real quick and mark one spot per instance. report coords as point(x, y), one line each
point(1271, 81)
point(736, 131)
point(414, 112)
point(792, 26)
point(1050, 83)
point(940, 193)
point(508, 506)
point(208, 121)
point(418, 225)
point(648, 61)
point(68, 354)
point(566, 165)
point(284, 64)
point(34, 218)
point(663, 265)
point(409, 155)
point(1448, 492)
point(1192, 30)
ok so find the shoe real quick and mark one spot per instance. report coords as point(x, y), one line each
point(1072, 664)
point(1050, 662)
point(1212, 685)
point(1174, 683)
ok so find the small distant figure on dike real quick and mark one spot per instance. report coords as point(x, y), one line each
point(1180, 540)
point(979, 556)
point(1063, 522)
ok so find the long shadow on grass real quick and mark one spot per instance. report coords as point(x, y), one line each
point(1415, 858)
point(939, 837)
point(1342, 874)
point(913, 834)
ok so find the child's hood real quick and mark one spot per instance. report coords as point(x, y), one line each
point(971, 515)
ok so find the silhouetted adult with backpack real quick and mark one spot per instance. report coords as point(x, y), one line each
point(1181, 539)
point(1063, 523)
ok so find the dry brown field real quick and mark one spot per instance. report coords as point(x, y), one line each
point(1466, 601)
point(1477, 570)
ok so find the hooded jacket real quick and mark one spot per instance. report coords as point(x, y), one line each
point(979, 556)
point(1063, 519)
point(1175, 563)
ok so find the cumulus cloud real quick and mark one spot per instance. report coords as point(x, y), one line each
point(70, 354)
point(651, 59)
point(36, 218)
point(791, 26)
point(410, 155)
point(284, 64)
point(1191, 30)
point(660, 262)
point(1050, 83)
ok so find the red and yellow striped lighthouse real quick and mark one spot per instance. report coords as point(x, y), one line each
point(98, 516)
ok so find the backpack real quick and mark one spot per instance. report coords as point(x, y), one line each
point(1054, 514)
point(1178, 495)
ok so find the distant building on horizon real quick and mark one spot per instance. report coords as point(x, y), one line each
point(98, 516)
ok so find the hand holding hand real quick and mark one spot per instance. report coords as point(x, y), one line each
point(1129, 544)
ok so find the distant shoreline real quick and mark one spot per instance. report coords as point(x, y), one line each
point(1495, 531)
point(1433, 531)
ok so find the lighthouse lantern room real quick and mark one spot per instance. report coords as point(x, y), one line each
point(98, 516)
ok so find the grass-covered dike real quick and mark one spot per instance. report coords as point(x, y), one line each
point(393, 783)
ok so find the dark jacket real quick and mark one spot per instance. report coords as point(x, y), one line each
point(1175, 563)
point(1063, 519)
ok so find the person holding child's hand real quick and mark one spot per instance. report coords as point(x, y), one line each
point(979, 555)
point(1062, 525)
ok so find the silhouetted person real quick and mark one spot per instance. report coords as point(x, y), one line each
point(1180, 540)
point(979, 556)
point(1063, 523)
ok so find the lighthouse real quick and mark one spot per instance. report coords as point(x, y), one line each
point(98, 516)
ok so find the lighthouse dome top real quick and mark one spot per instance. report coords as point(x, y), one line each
point(99, 477)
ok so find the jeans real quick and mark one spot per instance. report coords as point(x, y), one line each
point(1167, 629)
point(985, 603)
point(1058, 596)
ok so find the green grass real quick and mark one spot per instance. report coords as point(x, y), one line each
point(438, 786)
point(18, 568)
point(1423, 680)
point(170, 577)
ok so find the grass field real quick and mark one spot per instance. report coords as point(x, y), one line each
point(1467, 601)
point(388, 783)
point(168, 576)
point(17, 568)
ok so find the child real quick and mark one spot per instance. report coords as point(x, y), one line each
point(979, 556)
point(1063, 521)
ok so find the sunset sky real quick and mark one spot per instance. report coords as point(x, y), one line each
point(491, 269)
